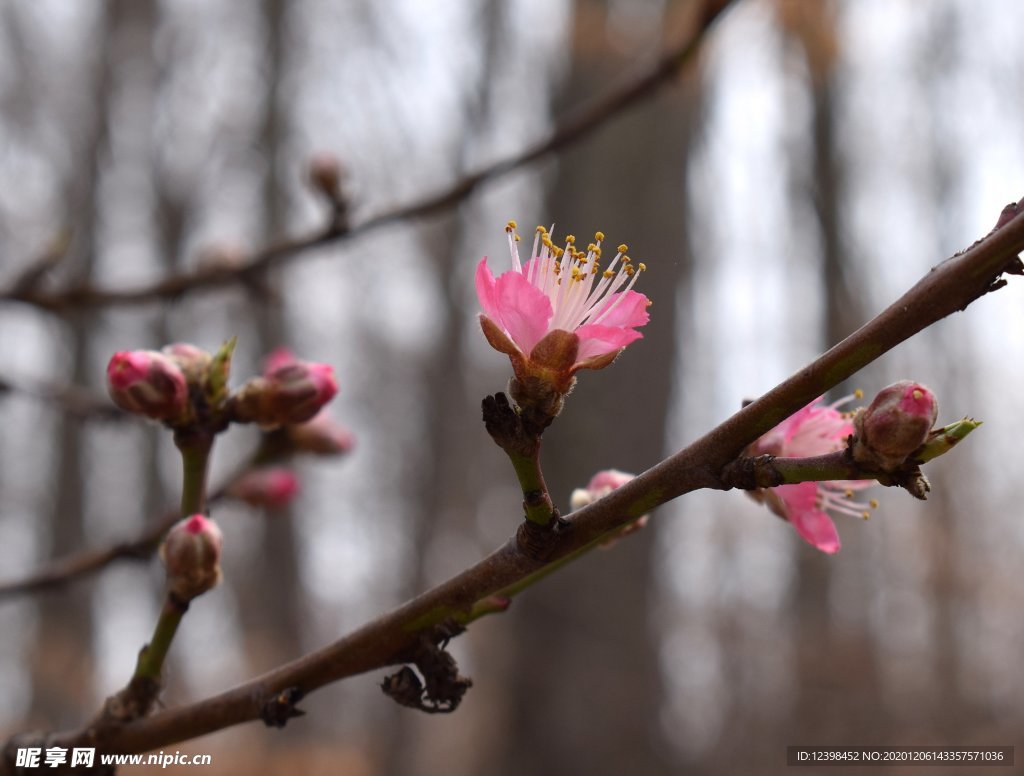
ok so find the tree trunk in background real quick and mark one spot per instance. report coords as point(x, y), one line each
point(62, 658)
point(441, 493)
point(851, 669)
point(584, 686)
point(169, 210)
point(270, 605)
point(952, 714)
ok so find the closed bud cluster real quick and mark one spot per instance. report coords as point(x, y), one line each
point(894, 425)
point(191, 555)
point(290, 391)
point(273, 487)
point(148, 383)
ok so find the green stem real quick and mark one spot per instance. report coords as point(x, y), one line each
point(195, 447)
point(151, 657)
point(820, 468)
point(837, 466)
point(537, 503)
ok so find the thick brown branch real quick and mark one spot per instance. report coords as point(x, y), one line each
point(574, 126)
point(949, 287)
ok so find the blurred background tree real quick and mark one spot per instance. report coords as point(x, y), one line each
point(815, 161)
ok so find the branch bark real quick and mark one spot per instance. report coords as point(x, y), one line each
point(393, 638)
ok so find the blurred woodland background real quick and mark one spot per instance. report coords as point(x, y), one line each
point(810, 164)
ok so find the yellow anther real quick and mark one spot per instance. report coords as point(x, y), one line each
point(626, 259)
point(865, 515)
point(641, 266)
point(609, 274)
point(918, 394)
point(512, 225)
point(622, 248)
point(649, 303)
point(591, 247)
point(848, 493)
point(874, 503)
point(599, 236)
point(517, 238)
point(858, 394)
point(542, 230)
point(628, 270)
point(570, 239)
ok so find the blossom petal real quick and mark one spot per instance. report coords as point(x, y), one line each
point(629, 313)
point(597, 339)
point(522, 309)
point(485, 291)
point(813, 524)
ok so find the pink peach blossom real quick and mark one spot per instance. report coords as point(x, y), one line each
point(565, 292)
point(816, 429)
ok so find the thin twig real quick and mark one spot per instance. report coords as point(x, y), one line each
point(75, 400)
point(949, 287)
point(576, 125)
point(62, 571)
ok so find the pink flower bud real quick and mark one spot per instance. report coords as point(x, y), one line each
point(271, 487)
point(291, 393)
point(277, 358)
point(895, 424)
point(325, 174)
point(191, 555)
point(148, 383)
point(193, 361)
point(322, 435)
point(223, 257)
point(600, 485)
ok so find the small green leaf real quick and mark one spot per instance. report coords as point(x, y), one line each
point(942, 440)
point(220, 370)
